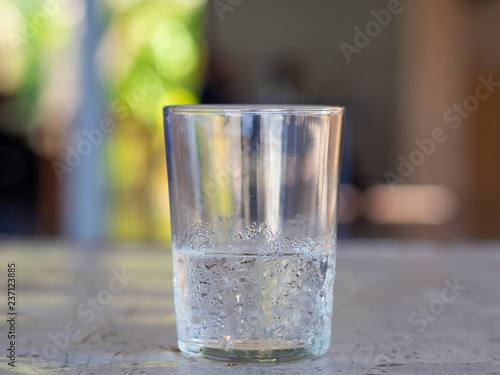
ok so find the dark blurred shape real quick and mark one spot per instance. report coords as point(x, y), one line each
point(283, 83)
point(18, 187)
point(218, 82)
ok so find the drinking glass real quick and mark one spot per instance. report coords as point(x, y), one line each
point(253, 199)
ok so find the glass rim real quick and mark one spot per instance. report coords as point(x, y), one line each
point(226, 109)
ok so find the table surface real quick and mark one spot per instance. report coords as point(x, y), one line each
point(400, 308)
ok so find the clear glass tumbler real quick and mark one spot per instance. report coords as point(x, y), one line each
point(253, 199)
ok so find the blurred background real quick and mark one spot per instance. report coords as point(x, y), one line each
point(83, 83)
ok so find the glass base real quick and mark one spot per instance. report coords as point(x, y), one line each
point(251, 353)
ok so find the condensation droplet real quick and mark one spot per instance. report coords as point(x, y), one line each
point(227, 342)
point(322, 294)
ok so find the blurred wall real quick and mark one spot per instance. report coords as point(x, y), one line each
point(257, 39)
point(434, 177)
point(452, 72)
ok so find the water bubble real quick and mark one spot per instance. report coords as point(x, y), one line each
point(267, 330)
point(238, 309)
point(312, 341)
point(263, 227)
point(279, 329)
point(196, 330)
point(323, 267)
point(218, 299)
point(322, 295)
point(204, 288)
point(204, 324)
point(227, 342)
point(267, 274)
point(210, 263)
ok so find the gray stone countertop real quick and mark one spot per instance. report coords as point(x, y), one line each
point(400, 308)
